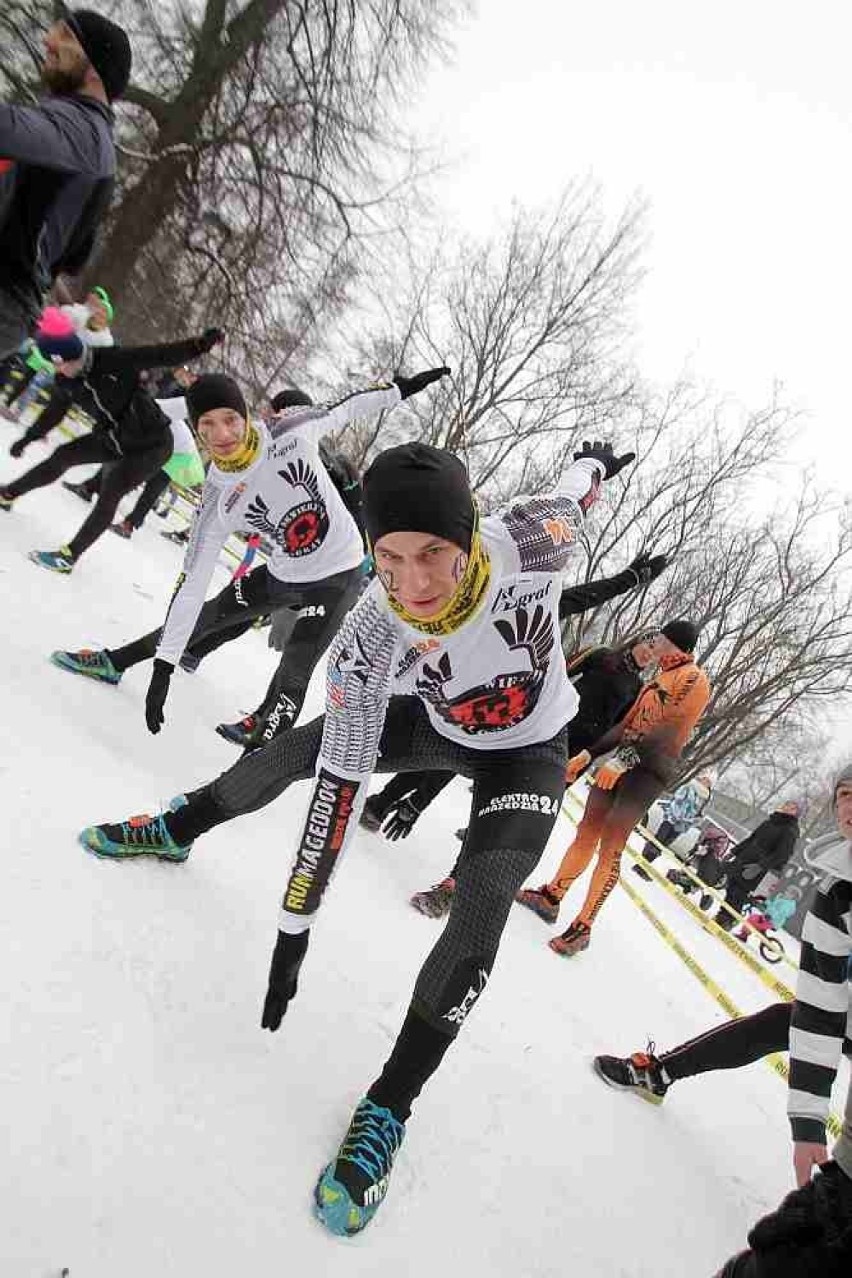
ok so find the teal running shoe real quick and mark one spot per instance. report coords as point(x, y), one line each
point(352, 1189)
point(55, 560)
point(96, 665)
point(138, 836)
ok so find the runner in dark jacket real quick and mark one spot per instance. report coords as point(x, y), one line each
point(768, 848)
point(57, 166)
point(131, 436)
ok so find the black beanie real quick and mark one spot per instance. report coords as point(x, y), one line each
point(106, 46)
point(683, 634)
point(294, 398)
point(213, 390)
point(418, 488)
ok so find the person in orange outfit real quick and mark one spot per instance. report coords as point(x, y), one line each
point(650, 739)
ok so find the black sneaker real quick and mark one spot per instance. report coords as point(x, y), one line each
point(239, 734)
point(640, 1073)
point(79, 490)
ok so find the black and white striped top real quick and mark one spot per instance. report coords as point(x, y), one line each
point(821, 1028)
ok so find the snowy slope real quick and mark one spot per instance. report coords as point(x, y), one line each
point(155, 1130)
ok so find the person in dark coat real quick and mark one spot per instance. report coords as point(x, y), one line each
point(768, 848)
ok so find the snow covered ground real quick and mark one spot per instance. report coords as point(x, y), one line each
point(153, 1129)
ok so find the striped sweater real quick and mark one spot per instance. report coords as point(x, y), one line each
point(821, 1028)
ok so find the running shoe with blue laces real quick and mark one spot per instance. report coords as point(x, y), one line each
point(352, 1189)
point(97, 665)
point(138, 836)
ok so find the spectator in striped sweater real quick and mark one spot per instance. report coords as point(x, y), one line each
point(811, 1232)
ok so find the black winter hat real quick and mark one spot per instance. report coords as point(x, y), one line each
point(683, 634)
point(106, 46)
point(418, 488)
point(214, 390)
point(294, 398)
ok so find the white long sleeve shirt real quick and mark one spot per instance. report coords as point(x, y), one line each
point(287, 495)
point(498, 682)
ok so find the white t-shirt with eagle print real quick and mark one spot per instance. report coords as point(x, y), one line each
point(498, 682)
point(287, 495)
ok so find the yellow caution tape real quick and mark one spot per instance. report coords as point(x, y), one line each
point(775, 1061)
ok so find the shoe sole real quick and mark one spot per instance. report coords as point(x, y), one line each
point(331, 1217)
point(567, 953)
point(641, 1093)
point(103, 855)
point(87, 674)
point(545, 918)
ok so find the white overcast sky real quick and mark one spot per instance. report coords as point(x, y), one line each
point(733, 119)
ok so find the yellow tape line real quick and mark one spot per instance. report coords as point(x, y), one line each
point(775, 1061)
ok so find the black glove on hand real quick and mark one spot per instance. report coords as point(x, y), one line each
point(212, 337)
point(647, 567)
point(283, 977)
point(411, 385)
point(158, 690)
point(602, 452)
point(401, 821)
point(17, 449)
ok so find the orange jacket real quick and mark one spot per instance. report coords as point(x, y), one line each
point(664, 714)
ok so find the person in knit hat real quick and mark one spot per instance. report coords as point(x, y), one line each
point(810, 1234)
point(57, 166)
point(265, 479)
point(648, 743)
point(451, 660)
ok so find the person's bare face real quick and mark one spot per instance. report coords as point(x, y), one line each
point(843, 808)
point(65, 66)
point(419, 571)
point(223, 431)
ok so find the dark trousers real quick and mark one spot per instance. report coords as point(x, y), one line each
point(665, 833)
point(423, 786)
point(119, 476)
point(732, 1045)
point(321, 607)
point(148, 498)
point(502, 849)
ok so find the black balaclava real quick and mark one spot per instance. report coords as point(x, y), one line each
point(418, 488)
point(293, 398)
point(214, 390)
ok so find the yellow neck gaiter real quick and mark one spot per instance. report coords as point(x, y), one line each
point(241, 460)
point(467, 597)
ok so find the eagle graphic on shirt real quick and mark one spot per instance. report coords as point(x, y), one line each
point(507, 699)
point(305, 526)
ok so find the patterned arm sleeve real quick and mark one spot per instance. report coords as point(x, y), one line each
point(357, 690)
point(208, 537)
point(820, 1010)
point(545, 529)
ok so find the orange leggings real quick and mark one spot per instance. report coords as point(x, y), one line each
point(609, 817)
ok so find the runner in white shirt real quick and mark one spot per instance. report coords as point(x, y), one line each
point(268, 480)
point(463, 623)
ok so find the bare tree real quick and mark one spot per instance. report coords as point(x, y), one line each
point(531, 323)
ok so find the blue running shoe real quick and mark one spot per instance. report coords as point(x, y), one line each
point(96, 665)
point(352, 1189)
point(60, 560)
point(139, 836)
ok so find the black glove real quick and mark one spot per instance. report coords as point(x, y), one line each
point(283, 977)
point(411, 385)
point(212, 337)
point(17, 449)
point(647, 567)
point(158, 690)
point(602, 452)
point(401, 820)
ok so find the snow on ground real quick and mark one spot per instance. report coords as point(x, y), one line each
point(154, 1129)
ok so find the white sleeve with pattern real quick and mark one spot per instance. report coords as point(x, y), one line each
point(545, 530)
point(357, 690)
point(209, 534)
point(315, 423)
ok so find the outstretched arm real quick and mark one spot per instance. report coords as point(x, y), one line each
point(581, 598)
point(118, 359)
